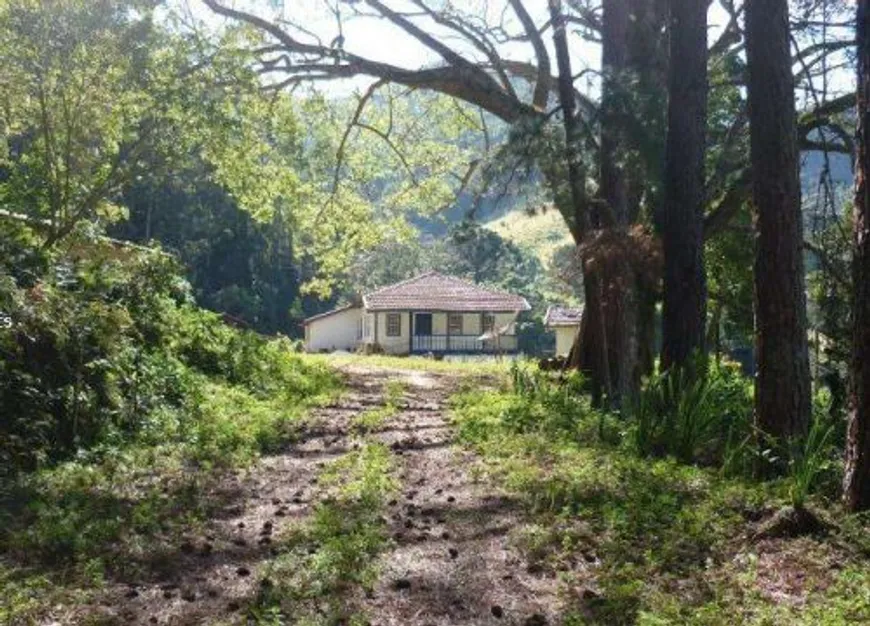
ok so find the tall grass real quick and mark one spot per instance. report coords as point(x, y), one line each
point(809, 458)
point(556, 406)
point(656, 540)
point(696, 418)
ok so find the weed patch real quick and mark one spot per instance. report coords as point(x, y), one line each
point(373, 419)
point(647, 540)
point(334, 554)
point(110, 512)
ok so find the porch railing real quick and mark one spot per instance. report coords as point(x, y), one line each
point(462, 343)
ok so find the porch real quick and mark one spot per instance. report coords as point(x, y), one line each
point(462, 344)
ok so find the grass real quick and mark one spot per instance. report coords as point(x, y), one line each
point(809, 460)
point(373, 419)
point(110, 512)
point(542, 233)
point(333, 554)
point(489, 366)
point(651, 540)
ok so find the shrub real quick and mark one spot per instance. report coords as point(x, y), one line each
point(557, 406)
point(809, 458)
point(703, 418)
point(101, 345)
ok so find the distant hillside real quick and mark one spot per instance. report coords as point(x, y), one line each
point(541, 233)
point(545, 232)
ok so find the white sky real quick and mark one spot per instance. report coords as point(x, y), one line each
point(379, 40)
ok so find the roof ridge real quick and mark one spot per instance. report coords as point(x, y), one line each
point(333, 311)
point(401, 283)
point(446, 289)
point(482, 287)
point(561, 315)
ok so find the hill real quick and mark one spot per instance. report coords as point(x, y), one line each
point(542, 233)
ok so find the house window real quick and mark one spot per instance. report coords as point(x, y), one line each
point(394, 325)
point(454, 324)
point(487, 322)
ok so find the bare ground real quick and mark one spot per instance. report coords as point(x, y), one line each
point(450, 560)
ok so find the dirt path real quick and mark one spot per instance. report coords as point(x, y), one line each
point(450, 561)
point(451, 556)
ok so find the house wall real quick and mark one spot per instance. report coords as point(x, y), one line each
point(471, 323)
point(565, 339)
point(503, 319)
point(393, 345)
point(439, 323)
point(374, 329)
point(339, 331)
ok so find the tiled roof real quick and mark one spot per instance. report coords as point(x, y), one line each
point(563, 316)
point(436, 292)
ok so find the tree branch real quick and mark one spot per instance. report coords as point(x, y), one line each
point(543, 80)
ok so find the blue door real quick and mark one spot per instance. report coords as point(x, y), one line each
point(422, 324)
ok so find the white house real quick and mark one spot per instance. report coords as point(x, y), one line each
point(430, 313)
point(565, 322)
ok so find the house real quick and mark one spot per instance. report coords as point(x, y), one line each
point(565, 322)
point(430, 313)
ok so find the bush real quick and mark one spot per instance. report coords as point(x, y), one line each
point(560, 407)
point(101, 345)
point(706, 419)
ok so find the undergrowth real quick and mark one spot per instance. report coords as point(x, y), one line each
point(122, 404)
point(650, 523)
point(472, 366)
point(334, 553)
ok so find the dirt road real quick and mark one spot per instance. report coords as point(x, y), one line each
point(450, 559)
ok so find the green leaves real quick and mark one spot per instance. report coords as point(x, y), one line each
point(75, 108)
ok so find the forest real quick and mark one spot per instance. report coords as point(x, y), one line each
point(186, 186)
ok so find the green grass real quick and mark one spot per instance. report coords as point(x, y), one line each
point(373, 419)
point(66, 528)
point(334, 552)
point(472, 367)
point(541, 233)
point(651, 540)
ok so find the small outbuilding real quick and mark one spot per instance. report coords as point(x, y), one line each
point(565, 322)
point(339, 329)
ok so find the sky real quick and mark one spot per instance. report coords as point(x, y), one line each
point(379, 40)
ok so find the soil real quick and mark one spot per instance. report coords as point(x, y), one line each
point(450, 560)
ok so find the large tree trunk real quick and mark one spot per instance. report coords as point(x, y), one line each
point(615, 274)
point(609, 339)
point(856, 485)
point(783, 383)
point(592, 357)
point(614, 345)
point(685, 292)
point(648, 62)
point(614, 54)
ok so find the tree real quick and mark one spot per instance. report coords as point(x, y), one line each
point(783, 387)
point(87, 85)
point(684, 312)
point(103, 98)
point(235, 264)
point(856, 485)
point(472, 56)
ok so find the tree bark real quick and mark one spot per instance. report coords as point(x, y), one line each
point(856, 484)
point(684, 309)
point(618, 285)
point(783, 385)
point(612, 155)
point(593, 354)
